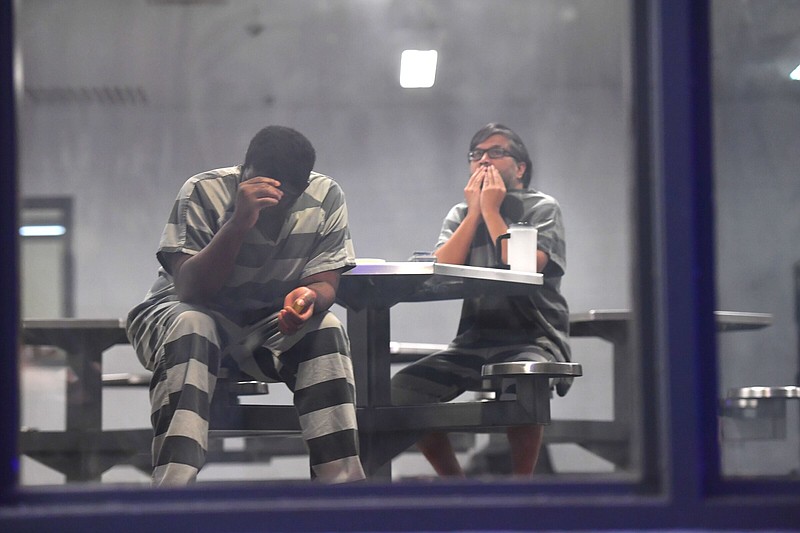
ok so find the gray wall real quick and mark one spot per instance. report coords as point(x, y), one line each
point(758, 233)
point(124, 167)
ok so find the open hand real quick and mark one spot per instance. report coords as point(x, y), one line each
point(298, 308)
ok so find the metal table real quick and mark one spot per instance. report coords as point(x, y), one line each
point(615, 440)
point(83, 451)
point(368, 292)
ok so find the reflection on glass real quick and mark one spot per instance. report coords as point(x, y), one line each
point(756, 123)
point(124, 101)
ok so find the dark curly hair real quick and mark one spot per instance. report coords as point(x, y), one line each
point(281, 153)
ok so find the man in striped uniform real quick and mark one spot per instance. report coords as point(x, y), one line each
point(493, 329)
point(241, 244)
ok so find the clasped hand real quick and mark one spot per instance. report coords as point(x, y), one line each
point(485, 191)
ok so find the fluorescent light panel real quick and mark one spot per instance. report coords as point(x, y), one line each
point(42, 231)
point(418, 68)
point(795, 74)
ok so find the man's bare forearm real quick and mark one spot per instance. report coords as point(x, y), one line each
point(198, 278)
point(325, 285)
point(456, 249)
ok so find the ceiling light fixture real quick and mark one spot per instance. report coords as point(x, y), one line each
point(795, 74)
point(42, 231)
point(418, 68)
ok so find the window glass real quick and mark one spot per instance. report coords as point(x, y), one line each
point(756, 53)
point(123, 101)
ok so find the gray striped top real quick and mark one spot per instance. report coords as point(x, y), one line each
point(540, 318)
point(314, 237)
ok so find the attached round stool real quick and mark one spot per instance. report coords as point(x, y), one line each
point(759, 434)
point(538, 368)
point(751, 403)
point(526, 374)
point(762, 393)
point(494, 373)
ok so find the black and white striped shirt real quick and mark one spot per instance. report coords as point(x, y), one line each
point(314, 237)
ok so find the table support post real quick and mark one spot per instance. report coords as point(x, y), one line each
point(84, 389)
point(368, 329)
point(369, 342)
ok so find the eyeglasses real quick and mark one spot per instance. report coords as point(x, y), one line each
point(494, 152)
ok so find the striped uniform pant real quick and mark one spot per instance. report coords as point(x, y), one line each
point(184, 346)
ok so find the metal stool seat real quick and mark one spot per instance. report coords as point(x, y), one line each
point(530, 377)
point(535, 368)
point(758, 431)
point(762, 408)
point(755, 402)
point(765, 393)
point(236, 384)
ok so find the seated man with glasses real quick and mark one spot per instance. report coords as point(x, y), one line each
point(494, 328)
